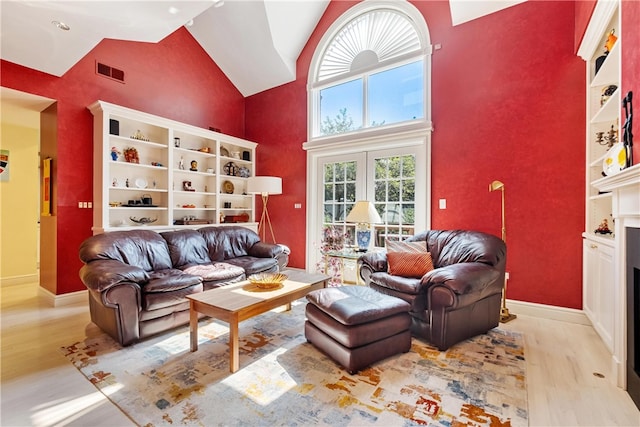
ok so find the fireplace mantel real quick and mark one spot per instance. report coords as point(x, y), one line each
point(625, 189)
point(626, 177)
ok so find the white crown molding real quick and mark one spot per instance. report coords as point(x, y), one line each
point(600, 18)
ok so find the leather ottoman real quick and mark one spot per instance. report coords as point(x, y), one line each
point(357, 326)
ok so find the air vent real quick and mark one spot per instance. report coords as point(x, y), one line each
point(110, 72)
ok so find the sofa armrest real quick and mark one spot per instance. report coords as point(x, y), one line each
point(101, 275)
point(264, 250)
point(464, 278)
point(269, 250)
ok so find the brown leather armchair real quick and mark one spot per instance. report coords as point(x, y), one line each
point(460, 297)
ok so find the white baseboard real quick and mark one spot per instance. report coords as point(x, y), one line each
point(63, 299)
point(553, 312)
point(19, 280)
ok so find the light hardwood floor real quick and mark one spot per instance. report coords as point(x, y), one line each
point(40, 388)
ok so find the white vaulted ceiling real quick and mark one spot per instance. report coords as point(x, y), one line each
point(255, 42)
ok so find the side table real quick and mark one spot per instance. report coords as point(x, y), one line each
point(343, 256)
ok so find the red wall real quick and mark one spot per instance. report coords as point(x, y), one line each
point(631, 65)
point(508, 104)
point(174, 78)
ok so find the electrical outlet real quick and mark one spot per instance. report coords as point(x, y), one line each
point(297, 206)
point(443, 203)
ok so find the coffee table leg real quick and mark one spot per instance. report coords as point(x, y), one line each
point(193, 326)
point(234, 346)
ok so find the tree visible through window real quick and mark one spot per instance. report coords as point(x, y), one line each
point(371, 75)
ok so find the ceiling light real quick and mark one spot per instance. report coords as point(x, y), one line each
point(61, 25)
point(189, 23)
point(174, 10)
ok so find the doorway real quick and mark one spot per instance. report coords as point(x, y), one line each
point(20, 188)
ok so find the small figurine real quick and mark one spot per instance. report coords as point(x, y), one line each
point(186, 186)
point(114, 153)
point(126, 183)
point(115, 182)
point(603, 228)
point(194, 166)
point(181, 164)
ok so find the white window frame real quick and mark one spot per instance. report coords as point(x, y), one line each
point(418, 142)
point(394, 137)
point(314, 86)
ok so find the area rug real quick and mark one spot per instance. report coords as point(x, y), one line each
point(283, 380)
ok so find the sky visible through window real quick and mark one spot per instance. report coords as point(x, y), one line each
point(395, 95)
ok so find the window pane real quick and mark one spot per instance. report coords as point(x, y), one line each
point(341, 108)
point(328, 192)
point(381, 168)
point(351, 171)
point(328, 173)
point(396, 95)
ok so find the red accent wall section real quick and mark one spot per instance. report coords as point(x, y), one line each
point(631, 66)
point(174, 78)
point(584, 10)
point(508, 104)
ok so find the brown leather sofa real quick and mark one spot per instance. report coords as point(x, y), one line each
point(460, 297)
point(138, 279)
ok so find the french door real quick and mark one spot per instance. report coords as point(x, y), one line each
point(394, 178)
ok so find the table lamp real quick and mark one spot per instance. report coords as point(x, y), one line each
point(363, 214)
point(505, 316)
point(264, 185)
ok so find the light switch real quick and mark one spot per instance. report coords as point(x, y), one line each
point(297, 206)
point(79, 205)
point(443, 203)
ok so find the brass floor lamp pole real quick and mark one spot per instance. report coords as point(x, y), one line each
point(265, 185)
point(505, 316)
point(265, 219)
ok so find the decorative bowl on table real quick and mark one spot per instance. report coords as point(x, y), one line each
point(268, 280)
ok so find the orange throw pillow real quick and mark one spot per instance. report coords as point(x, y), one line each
point(409, 264)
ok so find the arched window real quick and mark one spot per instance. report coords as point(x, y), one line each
point(371, 70)
point(369, 124)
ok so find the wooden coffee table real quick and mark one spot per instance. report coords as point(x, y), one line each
point(243, 300)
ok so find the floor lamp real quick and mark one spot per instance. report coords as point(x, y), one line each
point(265, 185)
point(505, 316)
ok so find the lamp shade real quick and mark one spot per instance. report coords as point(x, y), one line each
point(364, 212)
point(496, 185)
point(264, 185)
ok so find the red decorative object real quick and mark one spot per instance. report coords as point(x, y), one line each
point(131, 155)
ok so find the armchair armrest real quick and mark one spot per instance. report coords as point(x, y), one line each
point(464, 278)
point(372, 262)
point(101, 275)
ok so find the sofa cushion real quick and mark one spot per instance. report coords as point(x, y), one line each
point(409, 264)
point(141, 248)
point(407, 285)
point(224, 243)
point(174, 299)
point(169, 280)
point(217, 272)
point(398, 246)
point(186, 247)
